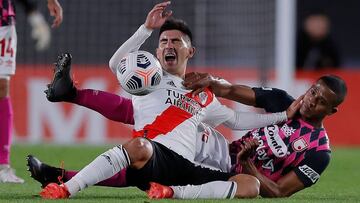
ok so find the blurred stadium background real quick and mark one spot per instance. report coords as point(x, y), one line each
point(240, 40)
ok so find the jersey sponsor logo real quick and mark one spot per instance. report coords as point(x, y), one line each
point(183, 102)
point(274, 141)
point(269, 165)
point(287, 130)
point(299, 144)
point(309, 172)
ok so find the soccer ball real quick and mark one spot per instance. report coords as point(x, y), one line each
point(139, 73)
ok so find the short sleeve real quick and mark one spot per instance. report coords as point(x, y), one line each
point(272, 99)
point(310, 169)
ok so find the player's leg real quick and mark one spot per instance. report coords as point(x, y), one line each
point(45, 174)
point(239, 186)
point(7, 68)
point(111, 106)
point(207, 183)
point(247, 186)
point(134, 153)
point(62, 88)
point(6, 124)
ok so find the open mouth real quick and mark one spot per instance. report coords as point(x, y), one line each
point(170, 57)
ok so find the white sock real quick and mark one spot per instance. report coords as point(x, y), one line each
point(211, 190)
point(103, 167)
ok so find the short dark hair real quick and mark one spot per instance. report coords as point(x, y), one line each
point(337, 85)
point(176, 24)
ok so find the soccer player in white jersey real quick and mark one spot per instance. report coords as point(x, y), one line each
point(166, 121)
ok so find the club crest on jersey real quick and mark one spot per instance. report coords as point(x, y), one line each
point(274, 141)
point(203, 98)
point(205, 135)
point(299, 144)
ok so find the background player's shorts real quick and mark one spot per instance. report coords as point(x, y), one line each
point(8, 41)
point(169, 168)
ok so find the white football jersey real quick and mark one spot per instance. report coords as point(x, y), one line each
point(212, 149)
point(170, 115)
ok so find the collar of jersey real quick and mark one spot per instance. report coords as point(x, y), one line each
point(175, 78)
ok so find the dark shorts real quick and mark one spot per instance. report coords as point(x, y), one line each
point(169, 168)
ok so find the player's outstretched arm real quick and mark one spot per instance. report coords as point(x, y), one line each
point(284, 187)
point(199, 81)
point(153, 20)
point(249, 120)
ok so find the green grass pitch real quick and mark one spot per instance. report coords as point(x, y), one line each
point(339, 183)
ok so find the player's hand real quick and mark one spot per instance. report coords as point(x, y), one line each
point(158, 15)
point(199, 81)
point(55, 10)
point(248, 149)
point(294, 107)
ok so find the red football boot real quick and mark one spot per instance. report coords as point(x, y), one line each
point(158, 191)
point(55, 191)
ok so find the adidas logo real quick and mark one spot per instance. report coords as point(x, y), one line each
point(171, 83)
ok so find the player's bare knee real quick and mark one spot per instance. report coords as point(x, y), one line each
point(140, 151)
point(247, 186)
point(4, 88)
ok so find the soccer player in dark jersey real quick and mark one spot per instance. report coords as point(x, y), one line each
point(8, 39)
point(287, 157)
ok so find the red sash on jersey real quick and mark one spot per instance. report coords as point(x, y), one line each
point(173, 116)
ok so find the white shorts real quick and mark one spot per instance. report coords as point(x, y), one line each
point(8, 42)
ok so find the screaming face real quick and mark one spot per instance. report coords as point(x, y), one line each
point(174, 51)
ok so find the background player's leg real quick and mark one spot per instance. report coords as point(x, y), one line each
point(6, 124)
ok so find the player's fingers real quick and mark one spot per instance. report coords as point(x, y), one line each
point(297, 103)
point(194, 85)
point(254, 145)
point(298, 100)
point(163, 4)
point(241, 152)
point(191, 76)
point(166, 14)
point(156, 11)
point(197, 91)
point(247, 146)
point(255, 142)
point(294, 107)
point(189, 81)
point(58, 20)
point(159, 7)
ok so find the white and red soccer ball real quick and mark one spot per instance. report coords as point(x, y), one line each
point(139, 73)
